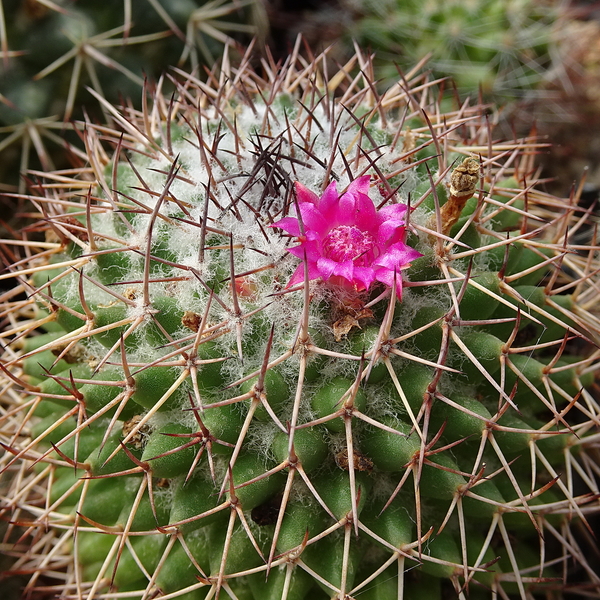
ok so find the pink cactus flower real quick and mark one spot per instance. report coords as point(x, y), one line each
point(345, 240)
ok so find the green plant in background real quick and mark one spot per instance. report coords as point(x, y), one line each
point(372, 383)
point(504, 48)
point(52, 50)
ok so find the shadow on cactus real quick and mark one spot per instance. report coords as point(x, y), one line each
point(373, 383)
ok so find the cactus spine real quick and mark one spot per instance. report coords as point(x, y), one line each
point(50, 51)
point(503, 49)
point(180, 421)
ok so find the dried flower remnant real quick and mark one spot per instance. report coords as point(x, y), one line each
point(463, 185)
point(345, 240)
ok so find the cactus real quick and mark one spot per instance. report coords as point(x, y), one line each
point(502, 48)
point(50, 51)
point(287, 338)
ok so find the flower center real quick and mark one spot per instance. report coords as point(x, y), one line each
point(347, 242)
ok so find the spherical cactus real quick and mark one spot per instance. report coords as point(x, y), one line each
point(500, 48)
point(288, 338)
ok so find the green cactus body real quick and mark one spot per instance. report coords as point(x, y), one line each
point(498, 47)
point(194, 426)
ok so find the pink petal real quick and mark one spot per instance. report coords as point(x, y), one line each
point(366, 217)
point(387, 277)
point(328, 203)
point(308, 250)
point(314, 238)
point(326, 267)
point(366, 275)
point(345, 269)
point(397, 256)
point(384, 275)
point(313, 219)
point(398, 286)
point(304, 194)
point(356, 208)
point(392, 212)
point(409, 254)
point(289, 225)
point(298, 275)
point(390, 232)
point(346, 212)
point(360, 186)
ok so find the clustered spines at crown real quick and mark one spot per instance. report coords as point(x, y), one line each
point(250, 437)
